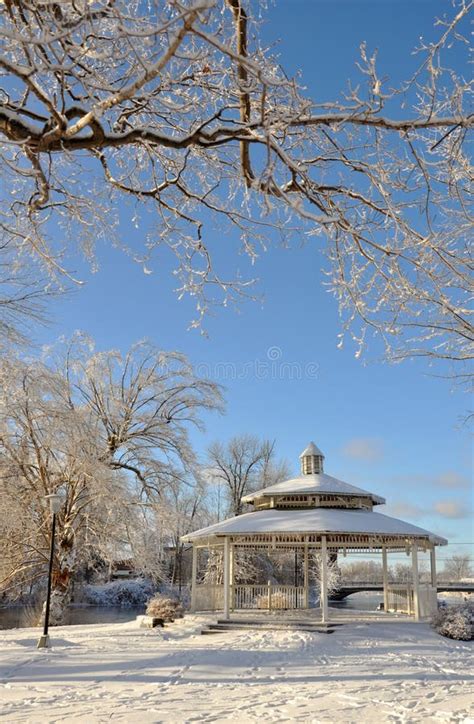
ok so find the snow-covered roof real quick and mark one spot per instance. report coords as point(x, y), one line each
point(314, 483)
point(311, 449)
point(315, 520)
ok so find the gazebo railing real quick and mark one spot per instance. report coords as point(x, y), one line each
point(428, 600)
point(210, 597)
point(246, 596)
point(267, 597)
point(401, 598)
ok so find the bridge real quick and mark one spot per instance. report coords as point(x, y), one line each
point(348, 589)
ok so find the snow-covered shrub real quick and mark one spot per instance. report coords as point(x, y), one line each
point(181, 593)
point(126, 594)
point(455, 622)
point(278, 600)
point(165, 608)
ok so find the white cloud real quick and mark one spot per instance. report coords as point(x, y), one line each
point(451, 509)
point(364, 448)
point(403, 510)
point(450, 479)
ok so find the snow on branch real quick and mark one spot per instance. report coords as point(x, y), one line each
point(177, 109)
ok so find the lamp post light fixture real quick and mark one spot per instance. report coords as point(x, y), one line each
point(55, 503)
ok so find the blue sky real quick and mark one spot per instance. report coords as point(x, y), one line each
point(396, 430)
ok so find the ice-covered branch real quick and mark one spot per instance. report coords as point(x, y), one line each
point(180, 109)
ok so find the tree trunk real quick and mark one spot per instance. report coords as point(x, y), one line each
point(237, 506)
point(60, 600)
point(62, 579)
point(174, 571)
point(180, 567)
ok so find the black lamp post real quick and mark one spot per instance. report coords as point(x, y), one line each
point(55, 502)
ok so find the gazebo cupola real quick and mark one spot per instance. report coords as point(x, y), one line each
point(311, 460)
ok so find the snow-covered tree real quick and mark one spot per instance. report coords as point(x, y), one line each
point(242, 465)
point(144, 540)
point(179, 108)
point(103, 430)
point(213, 571)
point(144, 403)
point(24, 293)
point(403, 572)
point(333, 572)
point(362, 571)
point(48, 447)
point(457, 567)
point(249, 566)
point(181, 509)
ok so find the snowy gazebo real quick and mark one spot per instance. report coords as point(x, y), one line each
point(314, 514)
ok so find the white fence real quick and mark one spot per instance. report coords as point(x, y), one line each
point(428, 597)
point(208, 597)
point(268, 597)
point(401, 599)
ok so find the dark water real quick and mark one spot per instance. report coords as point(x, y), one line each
point(20, 617)
point(370, 601)
point(359, 601)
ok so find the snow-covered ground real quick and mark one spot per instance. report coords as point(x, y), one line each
point(378, 672)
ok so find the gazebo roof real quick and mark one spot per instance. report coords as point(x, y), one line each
point(315, 483)
point(315, 520)
point(313, 505)
point(311, 449)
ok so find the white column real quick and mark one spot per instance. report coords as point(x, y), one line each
point(434, 581)
point(194, 579)
point(306, 577)
point(226, 577)
point(416, 580)
point(231, 575)
point(385, 578)
point(324, 579)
